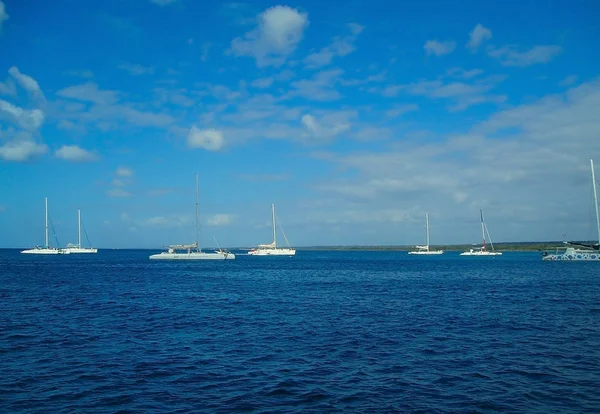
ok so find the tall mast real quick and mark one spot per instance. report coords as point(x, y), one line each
point(595, 199)
point(197, 230)
point(79, 228)
point(427, 228)
point(46, 222)
point(274, 232)
point(482, 228)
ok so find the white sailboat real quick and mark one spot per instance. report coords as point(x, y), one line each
point(76, 248)
point(581, 251)
point(192, 251)
point(271, 249)
point(482, 251)
point(425, 249)
point(46, 249)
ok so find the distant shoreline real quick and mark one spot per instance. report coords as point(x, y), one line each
point(504, 246)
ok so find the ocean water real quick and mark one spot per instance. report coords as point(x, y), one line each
point(320, 332)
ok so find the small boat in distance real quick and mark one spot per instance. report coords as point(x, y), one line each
point(271, 249)
point(579, 251)
point(76, 248)
point(192, 251)
point(482, 251)
point(46, 249)
point(425, 249)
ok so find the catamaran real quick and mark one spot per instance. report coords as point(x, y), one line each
point(425, 249)
point(192, 251)
point(482, 251)
point(76, 248)
point(46, 249)
point(581, 251)
point(271, 249)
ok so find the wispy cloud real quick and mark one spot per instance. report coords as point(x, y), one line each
point(75, 153)
point(437, 48)
point(340, 46)
point(478, 35)
point(278, 31)
point(3, 14)
point(512, 55)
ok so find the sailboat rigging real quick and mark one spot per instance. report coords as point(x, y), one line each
point(192, 251)
point(271, 249)
point(482, 251)
point(426, 249)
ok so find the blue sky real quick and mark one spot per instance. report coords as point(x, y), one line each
point(354, 118)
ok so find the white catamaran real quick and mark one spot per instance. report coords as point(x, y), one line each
point(46, 249)
point(192, 251)
point(583, 251)
point(76, 248)
point(425, 249)
point(272, 249)
point(482, 251)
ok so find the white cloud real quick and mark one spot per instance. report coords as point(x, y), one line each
point(3, 15)
point(75, 153)
point(170, 221)
point(434, 47)
point(321, 87)
point(27, 82)
point(399, 110)
point(512, 56)
point(209, 139)
point(124, 172)
point(327, 127)
point(462, 73)
point(340, 46)
point(21, 150)
point(279, 30)
point(26, 119)
point(478, 35)
point(8, 88)
point(220, 219)
point(89, 92)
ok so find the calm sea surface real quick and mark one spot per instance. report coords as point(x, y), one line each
point(320, 332)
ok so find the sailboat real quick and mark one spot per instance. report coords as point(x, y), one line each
point(271, 249)
point(46, 249)
point(482, 251)
point(192, 251)
point(425, 249)
point(76, 248)
point(581, 251)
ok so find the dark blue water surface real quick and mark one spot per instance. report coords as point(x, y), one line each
point(320, 332)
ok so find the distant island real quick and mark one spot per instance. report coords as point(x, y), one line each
point(503, 246)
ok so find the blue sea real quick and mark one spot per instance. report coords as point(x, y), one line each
point(325, 331)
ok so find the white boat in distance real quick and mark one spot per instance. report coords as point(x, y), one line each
point(76, 248)
point(271, 249)
point(46, 249)
point(192, 251)
point(482, 251)
point(425, 249)
point(582, 252)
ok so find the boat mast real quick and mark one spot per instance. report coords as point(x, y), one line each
point(274, 232)
point(79, 228)
point(46, 222)
point(197, 230)
point(427, 227)
point(482, 228)
point(595, 199)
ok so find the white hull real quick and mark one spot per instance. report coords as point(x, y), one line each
point(480, 253)
point(81, 250)
point(576, 255)
point(272, 252)
point(44, 250)
point(426, 252)
point(193, 256)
